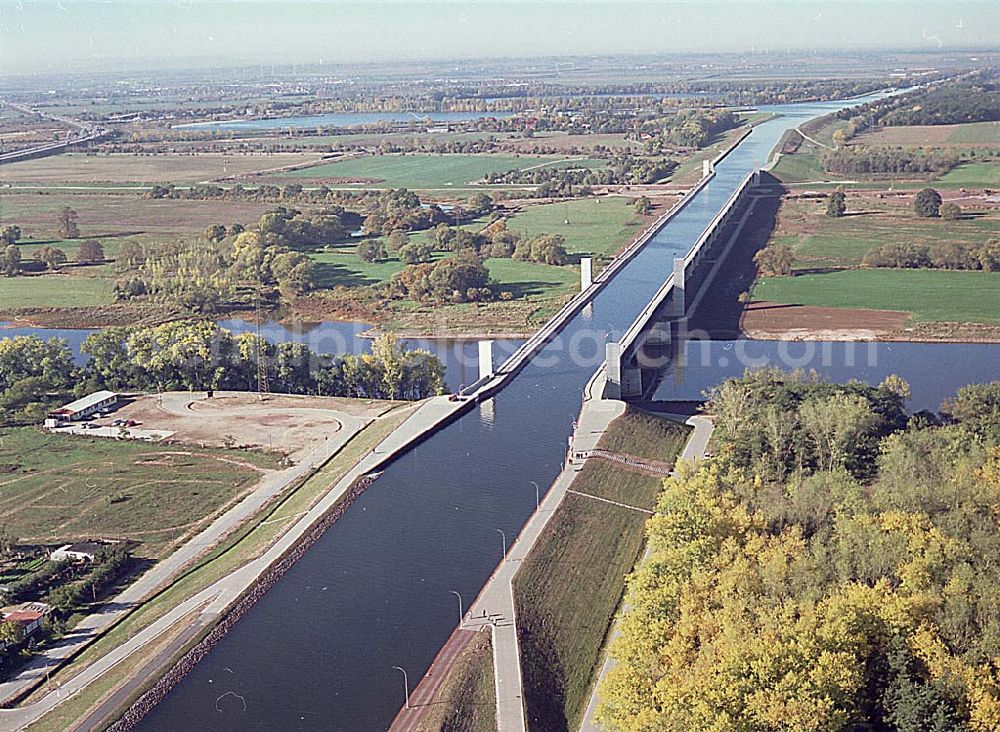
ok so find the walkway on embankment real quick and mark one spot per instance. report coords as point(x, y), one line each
point(695, 449)
point(212, 603)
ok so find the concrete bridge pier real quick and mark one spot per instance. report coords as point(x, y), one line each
point(485, 359)
point(677, 306)
point(586, 272)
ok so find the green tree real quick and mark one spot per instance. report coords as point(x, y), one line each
point(10, 260)
point(397, 240)
point(927, 203)
point(835, 424)
point(52, 257)
point(836, 204)
point(416, 253)
point(91, 252)
point(643, 206)
point(775, 260)
point(10, 234)
point(372, 250)
point(67, 223)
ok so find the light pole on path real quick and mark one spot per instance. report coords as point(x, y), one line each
point(537, 500)
point(460, 613)
point(503, 537)
point(406, 686)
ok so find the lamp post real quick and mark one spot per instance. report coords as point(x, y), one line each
point(406, 686)
point(460, 613)
point(503, 537)
point(537, 500)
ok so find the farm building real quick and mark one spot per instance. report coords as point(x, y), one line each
point(84, 407)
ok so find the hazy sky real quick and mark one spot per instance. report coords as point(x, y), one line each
point(62, 35)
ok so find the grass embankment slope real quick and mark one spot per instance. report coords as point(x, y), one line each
point(243, 545)
point(570, 585)
point(466, 699)
point(427, 172)
point(59, 488)
point(828, 252)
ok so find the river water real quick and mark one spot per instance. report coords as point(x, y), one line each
point(318, 650)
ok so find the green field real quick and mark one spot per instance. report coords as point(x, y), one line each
point(972, 175)
point(570, 585)
point(597, 226)
point(53, 291)
point(931, 295)
point(429, 171)
point(61, 487)
point(525, 279)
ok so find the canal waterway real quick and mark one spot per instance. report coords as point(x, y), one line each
point(318, 650)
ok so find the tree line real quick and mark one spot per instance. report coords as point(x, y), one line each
point(200, 355)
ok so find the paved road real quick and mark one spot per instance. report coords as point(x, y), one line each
point(272, 484)
point(211, 602)
point(695, 449)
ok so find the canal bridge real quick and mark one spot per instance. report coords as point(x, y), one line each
point(644, 349)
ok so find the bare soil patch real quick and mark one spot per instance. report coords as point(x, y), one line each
point(290, 424)
point(802, 322)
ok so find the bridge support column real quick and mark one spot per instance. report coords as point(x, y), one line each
point(586, 272)
point(707, 168)
point(613, 370)
point(678, 305)
point(485, 359)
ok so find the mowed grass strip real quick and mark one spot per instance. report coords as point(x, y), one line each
point(428, 171)
point(466, 699)
point(930, 295)
point(62, 487)
point(570, 585)
point(54, 291)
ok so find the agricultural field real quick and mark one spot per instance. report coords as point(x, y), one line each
point(59, 487)
point(79, 168)
point(421, 172)
point(873, 219)
point(113, 216)
point(570, 585)
point(929, 295)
